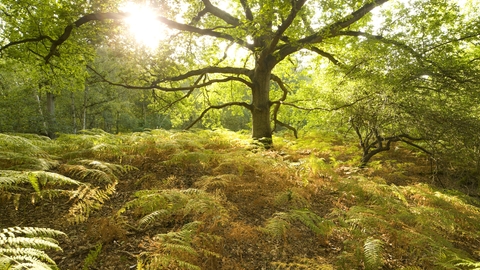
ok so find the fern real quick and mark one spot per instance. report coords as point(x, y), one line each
point(451, 260)
point(178, 249)
point(34, 184)
point(279, 224)
point(18, 153)
point(208, 182)
point(95, 171)
point(88, 199)
point(304, 263)
point(291, 198)
point(373, 253)
point(169, 205)
point(23, 248)
point(92, 257)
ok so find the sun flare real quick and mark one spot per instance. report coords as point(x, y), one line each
point(143, 25)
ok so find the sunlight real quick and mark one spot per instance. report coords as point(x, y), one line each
point(143, 25)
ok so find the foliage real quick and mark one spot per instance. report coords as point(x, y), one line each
point(177, 249)
point(373, 251)
point(23, 248)
point(304, 263)
point(92, 257)
point(279, 224)
point(26, 172)
point(418, 220)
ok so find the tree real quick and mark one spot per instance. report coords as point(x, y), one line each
point(270, 33)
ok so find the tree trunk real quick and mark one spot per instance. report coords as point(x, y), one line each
point(261, 126)
point(44, 131)
point(51, 115)
point(74, 113)
point(84, 108)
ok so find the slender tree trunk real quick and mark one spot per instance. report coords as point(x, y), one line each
point(40, 112)
point(84, 109)
point(144, 109)
point(117, 122)
point(261, 126)
point(52, 125)
point(74, 114)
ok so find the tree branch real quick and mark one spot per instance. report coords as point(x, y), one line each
point(323, 108)
point(383, 40)
point(331, 30)
point(83, 20)
point(294, 130)
point(243, 104)
point(118, 16)
point(326, 55)
point(169, 89)
point(209, 70)
point(27, 40)
point(296, 6)
point(248, 11)
point(220, 13)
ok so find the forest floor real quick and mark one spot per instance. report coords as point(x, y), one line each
point(302, 205)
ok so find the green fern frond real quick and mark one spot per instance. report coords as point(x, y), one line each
point(291, 198)
point(17, 144)
point(165, 204)
point(94, 171)
point(153, 216)
point(451, 260)
point(14, 184)
point(19, 153)
point(25, 161)
point(92, 257)
point(208, 182)
point(178, 249)
point(22, 247)
point(373, 253)
point(188, 158)
point(279, 224)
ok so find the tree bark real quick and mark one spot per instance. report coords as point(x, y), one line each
point(52, 125)
point(261, 126)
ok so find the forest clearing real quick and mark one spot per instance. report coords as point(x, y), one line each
point(240, 134)
point(210, 200)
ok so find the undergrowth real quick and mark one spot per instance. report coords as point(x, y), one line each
point(211, 200)
point(24, 248)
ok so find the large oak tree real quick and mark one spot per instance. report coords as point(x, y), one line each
point(271, 32)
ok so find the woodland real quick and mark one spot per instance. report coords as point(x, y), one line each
point(241, 134)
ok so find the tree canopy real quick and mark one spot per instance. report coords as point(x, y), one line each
point(387, 70)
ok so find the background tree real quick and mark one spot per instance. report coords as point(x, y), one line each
point(242, 47)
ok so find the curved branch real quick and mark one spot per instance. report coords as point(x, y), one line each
point(383, 40)
point(323, 108)
point(169, 89)
point(326, 55)
point(118, 16)
point(197, 18)
point(27, 40)
point(211, 70)
point(83, 20)
point(248, 11)
point(296, 6)
point(243, 104)
point(226, 17)
point(204, 32)
point(282, 86)
point(294, 130)
point(331, 30)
